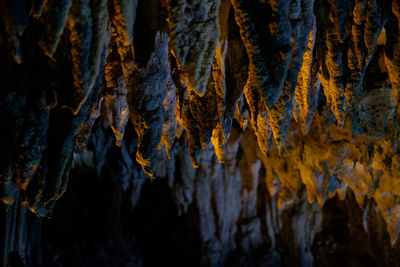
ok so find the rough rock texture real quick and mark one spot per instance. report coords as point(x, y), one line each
point(194, 34)
point(348, 32)
point(269, 128)
point(308, 85)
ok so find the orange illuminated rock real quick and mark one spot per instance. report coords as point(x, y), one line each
point(272, 113)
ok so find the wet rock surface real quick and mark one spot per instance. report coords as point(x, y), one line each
point(199, 133)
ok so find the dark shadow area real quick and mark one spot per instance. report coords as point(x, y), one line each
point(351, 237)
point(94, 224)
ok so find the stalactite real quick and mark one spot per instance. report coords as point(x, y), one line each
point(262, 23)
point(194, 35)
point(281, 114)
point(308, 86)
point(53, 19)
point(254, 116)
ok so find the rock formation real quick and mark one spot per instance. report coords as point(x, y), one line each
point(200, 133)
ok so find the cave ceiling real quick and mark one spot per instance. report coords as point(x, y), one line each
point(305, 90)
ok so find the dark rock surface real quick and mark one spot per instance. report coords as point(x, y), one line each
point(199, 133)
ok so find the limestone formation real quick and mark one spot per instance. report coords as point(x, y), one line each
point(270, 129)
point(194, 34)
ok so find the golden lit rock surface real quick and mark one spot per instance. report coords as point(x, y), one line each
point(265, 124)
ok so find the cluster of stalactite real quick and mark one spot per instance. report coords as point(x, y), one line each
point(312, 86)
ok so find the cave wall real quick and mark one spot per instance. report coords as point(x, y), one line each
point(209, 133)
